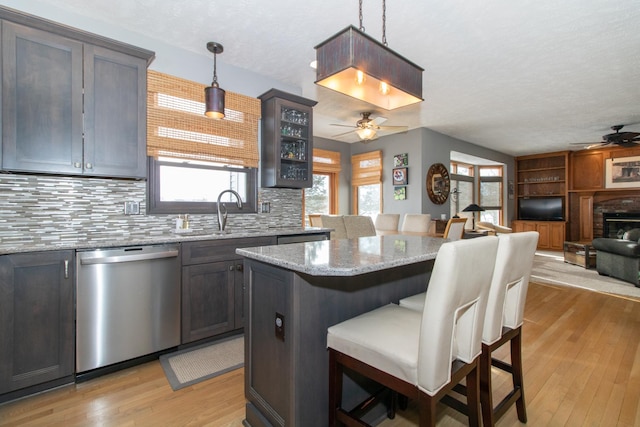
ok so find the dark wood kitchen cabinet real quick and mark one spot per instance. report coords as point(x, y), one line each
point(72, 103)
point(37, 343)
point(287, 140)
point(213, 286)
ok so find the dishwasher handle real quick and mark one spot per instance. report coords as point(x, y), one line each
point(128, 258)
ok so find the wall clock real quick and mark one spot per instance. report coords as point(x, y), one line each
point(438, 183)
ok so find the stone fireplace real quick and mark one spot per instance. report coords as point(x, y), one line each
point(612, 214)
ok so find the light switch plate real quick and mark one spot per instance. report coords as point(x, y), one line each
point(131, 208)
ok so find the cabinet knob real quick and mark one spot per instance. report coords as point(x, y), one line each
point(231, 268)
point(89, 166)
point(239, 267)
point(77, 165)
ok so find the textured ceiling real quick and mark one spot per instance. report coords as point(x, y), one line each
point(519, 76)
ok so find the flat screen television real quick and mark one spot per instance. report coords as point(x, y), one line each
point(541, 209)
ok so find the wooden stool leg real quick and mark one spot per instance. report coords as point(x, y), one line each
point(335, 388)
point(486, 396)
point(427, 408)
point(516, 363)
point(473, 396)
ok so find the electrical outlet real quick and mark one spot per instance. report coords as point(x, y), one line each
point(131, 208)
point(265, 207)
point(279, 323)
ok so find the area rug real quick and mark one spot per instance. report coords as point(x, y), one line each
point(549, 267)
point(190, 366)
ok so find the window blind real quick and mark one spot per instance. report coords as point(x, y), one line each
point(366, 168)
point(325, 161)
point(177, 127)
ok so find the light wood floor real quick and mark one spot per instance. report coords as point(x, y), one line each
point(581, 357)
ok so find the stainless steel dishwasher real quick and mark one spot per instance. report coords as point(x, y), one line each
point(128, 303)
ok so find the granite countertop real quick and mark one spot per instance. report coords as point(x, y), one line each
point(347, 257)
point(168, 236)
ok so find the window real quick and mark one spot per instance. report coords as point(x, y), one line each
point(368, 198)
point(194, 158)
point(183, 186)
point(322, 197)
point(461, 169)
point(491, 186)
point(317, 199)
point(461, 193)
point(366, 169)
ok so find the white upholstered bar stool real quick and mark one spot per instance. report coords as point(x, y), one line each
point(387, 222)
point(416, 223)
point(503, 321)
point(421, 355)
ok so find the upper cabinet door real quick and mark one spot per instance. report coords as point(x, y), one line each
point(41, 101)
point(115, 114)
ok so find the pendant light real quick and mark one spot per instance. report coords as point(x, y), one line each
point(352, 63)
point(214, 96)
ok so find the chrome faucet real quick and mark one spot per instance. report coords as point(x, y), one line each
point(222, 210)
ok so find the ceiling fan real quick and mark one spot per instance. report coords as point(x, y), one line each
point(368, 128)
point(623, 139)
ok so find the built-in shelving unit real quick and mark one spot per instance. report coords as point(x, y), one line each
point(542, 175)
point(538, 176)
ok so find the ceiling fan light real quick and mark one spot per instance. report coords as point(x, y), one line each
point(350, 51)
point(366, 133)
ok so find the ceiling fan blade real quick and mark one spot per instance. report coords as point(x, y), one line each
point(343, 134)
point(394, 128)
point(379, 120)
point(344, 126)
point(628, 144)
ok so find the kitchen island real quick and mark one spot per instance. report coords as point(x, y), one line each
point(294, 293)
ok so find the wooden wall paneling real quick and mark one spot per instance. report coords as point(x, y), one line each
point(587, 170)
point(586, 217)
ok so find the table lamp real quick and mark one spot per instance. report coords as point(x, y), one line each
point(473, 208)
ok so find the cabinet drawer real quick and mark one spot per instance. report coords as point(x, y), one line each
point(219, 250)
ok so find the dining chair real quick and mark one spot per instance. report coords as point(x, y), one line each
point(359, 226)
point(455, 228)
point(503, 321)
point(387, 222)
point(335, 222)
point(315, 220)
point(418, 223)
point(421, 355)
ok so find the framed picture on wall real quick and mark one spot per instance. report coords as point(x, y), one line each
point(399, 193)
point(400, 160)
point(622, 172)
point(400, 176)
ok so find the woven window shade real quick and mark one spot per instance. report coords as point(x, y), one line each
point(325, 161)
point(366, 168)
point(177, 127)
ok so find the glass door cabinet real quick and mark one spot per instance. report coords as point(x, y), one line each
point(287, 140)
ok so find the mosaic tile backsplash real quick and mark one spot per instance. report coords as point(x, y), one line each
point(38, 209)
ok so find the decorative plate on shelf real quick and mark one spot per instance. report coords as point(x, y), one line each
point(438, 183)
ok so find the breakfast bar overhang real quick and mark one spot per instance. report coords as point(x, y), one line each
point(293, 293)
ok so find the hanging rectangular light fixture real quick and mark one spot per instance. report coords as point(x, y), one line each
point(352, 63)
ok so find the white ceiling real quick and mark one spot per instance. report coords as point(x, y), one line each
point(518, 76)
